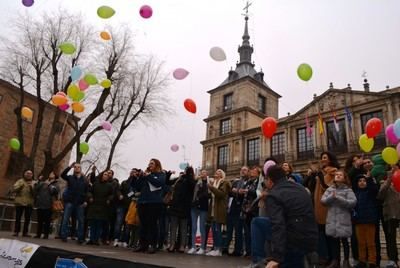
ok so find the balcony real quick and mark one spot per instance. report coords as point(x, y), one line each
point(306, 155)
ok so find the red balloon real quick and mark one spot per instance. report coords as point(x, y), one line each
point(396, 180)
point(190, 105)
point(268, 127)
point(373, 127)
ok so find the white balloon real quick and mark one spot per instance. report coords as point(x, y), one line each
point(217, 54)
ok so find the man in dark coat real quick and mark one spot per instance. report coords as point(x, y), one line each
point(294, 231)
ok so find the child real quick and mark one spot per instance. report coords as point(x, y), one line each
point(365, 218)
point(340, 200)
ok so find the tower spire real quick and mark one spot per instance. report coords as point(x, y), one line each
point(245, 50)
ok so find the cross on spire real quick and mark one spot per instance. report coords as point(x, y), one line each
point(248, 4)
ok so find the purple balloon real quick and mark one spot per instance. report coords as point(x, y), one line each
point(391, 135)
point(146, 11)
point(106, 125)
point(180, 74)
point(174, 147)
point(64, 107)
point(28, 3)
point(267, 165)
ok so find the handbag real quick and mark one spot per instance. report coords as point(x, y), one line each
point(57, 206)
point(132, 216)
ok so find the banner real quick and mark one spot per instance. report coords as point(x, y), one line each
point(15, 254)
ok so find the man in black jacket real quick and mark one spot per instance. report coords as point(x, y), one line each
point(294, 231)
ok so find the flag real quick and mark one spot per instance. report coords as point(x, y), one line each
point(335, 122)
point(308, 127)
point(349, 116)
point(320, 124)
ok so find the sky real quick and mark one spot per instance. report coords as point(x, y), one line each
point(339, 39)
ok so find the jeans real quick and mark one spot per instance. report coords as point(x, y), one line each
point(196, 213)
point(43, 222)
point(260, 233)
point(79, 211)
point(181, 224)
point(96, 229)
point(119, 223)
point(27, 210)
point(217, 235)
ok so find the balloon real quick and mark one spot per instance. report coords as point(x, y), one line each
point(105, 12)
point(64, 107)
point(59, 100)
point(390, 156)
point(61, 93)
point(27, 3)
point(180, 74)
point(391, 135)
point(217, 54)
point(105, 35)
point(396, 180)
point(174, 147)
point(106, 83)
point(78, 107)
point(373, 127)
point(27, 113)
point(268, 127)
point(73, 91)
point(80, 96)
point(14, 144)
point(398, 149)
point(146, 11)
point(67, 48)
point(183, 165)
point(106, 125)
point(83, 147)
point(90, 79)
point(76, 73)
point(304, 71)
point(190, 105)
point(267, 165)
point(83, 85)
point(396, 128)
point(366, 144)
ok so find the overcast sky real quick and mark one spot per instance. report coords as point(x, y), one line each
point(339, 39)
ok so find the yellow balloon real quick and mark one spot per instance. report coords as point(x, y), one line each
point(78, 107)
point(106, 83)
point(59, 100)
point(27, 113)
point(390, 156)
point(366, 144)
point(73, 91)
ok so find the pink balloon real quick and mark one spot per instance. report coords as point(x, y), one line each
point(146, 11)
point(267, 165)
point(180, 74)
point(398, 149)
point(106, 125)
point(391, 135)
point(64, 107)
point(174, 147)
point(83, 85)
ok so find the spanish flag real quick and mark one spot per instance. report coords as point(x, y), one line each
point(320, 124)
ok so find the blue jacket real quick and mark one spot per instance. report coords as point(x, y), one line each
point(151, 188)
point(77, 188)
point(366, 210)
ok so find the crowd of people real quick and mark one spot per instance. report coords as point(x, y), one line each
point(270, 214)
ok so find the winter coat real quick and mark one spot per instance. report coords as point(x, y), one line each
point(237, 199)
point(182, 196)
point(391, 200)
point(366, 210)
point(44, 192)
point(77, 188)
point(102, 195)
point(200, 195)
point(250, 201)
point(217, 211)
point(321, 185)
point(128, 189)
point(293, 225)
point(338, 221)
point(24, 193)
point(151, 188)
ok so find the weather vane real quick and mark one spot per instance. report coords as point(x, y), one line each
point(248, 4)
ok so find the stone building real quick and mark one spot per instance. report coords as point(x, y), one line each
point(10, 168)
point(244, 99)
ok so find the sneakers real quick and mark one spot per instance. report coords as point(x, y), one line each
point(115, 244)
point(391, 264)
point(200, 252)
point(123, 244)
point(214, 253)
point(191, 251)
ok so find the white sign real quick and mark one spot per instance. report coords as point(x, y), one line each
point(15, 254)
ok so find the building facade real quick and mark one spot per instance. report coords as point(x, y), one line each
point(331, 122)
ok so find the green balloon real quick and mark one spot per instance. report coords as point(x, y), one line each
point(14, 144)
point(304, 71)
point(105, 12)
point(67, 48)
point(79, 96)
point(90, 79)
point(83, 147)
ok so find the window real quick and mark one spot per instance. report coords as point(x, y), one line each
point(223, 153)
point(261, 104)
point(225, 126)
point(1, 98)
point(337, 140)
point(305, 145)
point(380, 140)
point(227, 102)
point(253, 152)
point(278, 146)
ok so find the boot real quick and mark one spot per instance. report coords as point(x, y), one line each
point(333, 264)
point(372, 265)
point(346, 264)
point(361, 265)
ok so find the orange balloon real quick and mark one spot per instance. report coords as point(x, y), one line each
point(78, 107)
point(268, 127)
point(27, 113)
point(105, 36)
point(190, 105)
point(59, 100)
